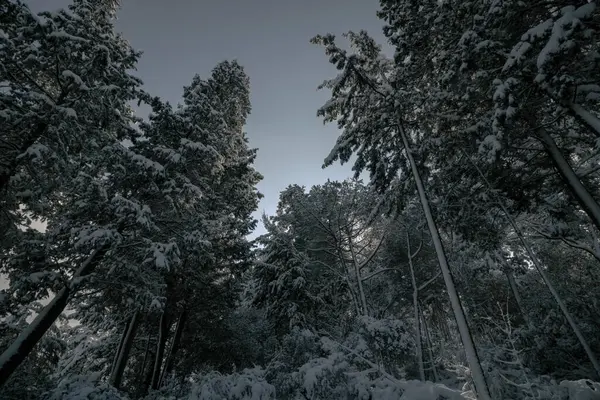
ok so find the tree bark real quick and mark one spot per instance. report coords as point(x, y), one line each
point(116, 375)
point(147, 372)
point(586, 117)
point(20, 348)
point(363, 299)
point(361, 291)
point(163, 333)
point(170, 361)
point(118, 352)
point(142, 386)
point(515, 291)
point(459, 314)
point(581, 194)
point(416, 311)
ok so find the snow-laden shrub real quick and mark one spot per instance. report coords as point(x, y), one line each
point(389, 335)
point(320, 368)
point(172, 388)
point(77, 387)
point(249, 384)
point(87, 352)
point(582, 389)
point(324, 377)
point(388, 341)
point(339, 376)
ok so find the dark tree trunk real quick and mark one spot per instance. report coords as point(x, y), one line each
point(147, 372)
point(170, 361)
point(141, 388)
point(477, 374)
point(163, 333)
point(118, 352)
point(116, 375)
point(570, 178)
point(20, 348)
point(18, 351)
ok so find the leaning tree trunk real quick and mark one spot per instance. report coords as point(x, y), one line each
point(116, 375)
point(143, 382)
point(459, 314)
point(515, 291)
point(545, 277)
point(556, 296)
point(586, 117)
point(20, 348)
point(581, 194)
point(163, 332)
point(416, 311)
point(170, 361)
point(147, 372)
point(118, 352)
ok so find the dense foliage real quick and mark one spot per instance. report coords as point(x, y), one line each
point(466, 268)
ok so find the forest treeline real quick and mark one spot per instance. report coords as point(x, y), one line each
point(467, 267)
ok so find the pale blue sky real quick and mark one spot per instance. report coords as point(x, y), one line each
point(270, 38)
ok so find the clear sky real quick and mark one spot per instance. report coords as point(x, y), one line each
point(270, 38)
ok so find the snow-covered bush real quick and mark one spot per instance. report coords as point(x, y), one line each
point(87, 352)
point(583, 389)
point(340, 376)
point(315, 367)
point(249, 384)
point(389, 341)
point(77, 387)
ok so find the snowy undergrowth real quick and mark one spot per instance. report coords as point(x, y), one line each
point(250, 384)
point(77, 387)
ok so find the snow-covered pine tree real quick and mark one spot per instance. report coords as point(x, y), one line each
point(375, 111)
point(67, 85)
point(320, 254)
point(67, 91)
point(203, 148)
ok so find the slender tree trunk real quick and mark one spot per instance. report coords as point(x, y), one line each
point(147, 380)
point(418, 336)
point(515, 291)
point(20, 348)
point(120, 347)
point(545, 277)
point(558, 299)
point(583, 197)
point(141, 374)
point(436, 377)
point(163, 333)
point(361, 291)
point(356, 306)
point(170, 361)
point(116, 375)
point(463, 327)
